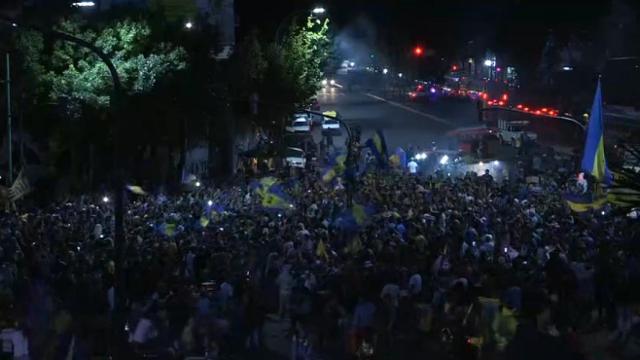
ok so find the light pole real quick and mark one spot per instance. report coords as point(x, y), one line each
point(9, 119)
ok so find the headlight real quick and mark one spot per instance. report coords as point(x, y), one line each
point(324, 82)
point(332, 82)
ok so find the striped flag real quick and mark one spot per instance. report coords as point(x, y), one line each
point(19, 188)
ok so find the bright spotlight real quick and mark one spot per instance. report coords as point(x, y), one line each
point(385, 71)
point(488, 62)
point(352, 64)
point(198, 184)
point(84, 4)
point(319, 10)
point(210, 203)
point(105, 199)
point(444, 159)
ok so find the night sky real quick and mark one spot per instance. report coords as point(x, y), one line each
point(520, 26)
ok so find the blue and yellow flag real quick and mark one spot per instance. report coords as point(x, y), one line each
point(321, 250)
point(204, 221)
point(593, 159)
point(378, 146)
point(335, 167)
point(355, 246)
point(138, 190)
point(355, 217)
point(584, 203)
point(167, 229)
point(399, 158)
point(271, 193)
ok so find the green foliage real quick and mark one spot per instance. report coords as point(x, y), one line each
point(74, 77)
point(304, 53)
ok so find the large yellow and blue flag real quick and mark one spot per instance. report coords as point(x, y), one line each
point(355, 217)
point(378, 146)
point(593, 159)
point(335, 167)
point(271, 193)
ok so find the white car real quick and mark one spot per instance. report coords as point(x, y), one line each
point(299, 125)
point(509, 132)
point(328, 124)
point(295, 157)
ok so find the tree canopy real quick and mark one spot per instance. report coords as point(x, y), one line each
point(73, 77)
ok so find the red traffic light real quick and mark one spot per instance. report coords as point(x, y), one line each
point(454, 68)
point(418, 51)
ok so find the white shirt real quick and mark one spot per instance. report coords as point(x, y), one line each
point(413, 167)
point(14, 341)
point(415, 284)
point(393, 291)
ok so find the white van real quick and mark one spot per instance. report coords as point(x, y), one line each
point(300, 124)
point(510, 132)
point(295, 157)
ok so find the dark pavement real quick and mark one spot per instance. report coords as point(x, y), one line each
point(404, 122)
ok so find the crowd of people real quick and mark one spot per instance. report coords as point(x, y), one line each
point(456, 265)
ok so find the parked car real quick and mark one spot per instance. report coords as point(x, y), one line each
point(295, 157)
point(328, 124)
point(300, 124)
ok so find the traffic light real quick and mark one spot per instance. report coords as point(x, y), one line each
point(418, 51)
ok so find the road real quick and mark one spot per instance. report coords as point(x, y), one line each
point(403, 122)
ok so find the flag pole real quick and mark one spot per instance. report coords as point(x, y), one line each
point(9, 120)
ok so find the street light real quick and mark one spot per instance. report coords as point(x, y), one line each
point(399, 75)
point(188, 25)
point(488, 62)
point(84, 4)
point(319, 10)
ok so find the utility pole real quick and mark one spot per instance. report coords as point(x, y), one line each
point(9, 131)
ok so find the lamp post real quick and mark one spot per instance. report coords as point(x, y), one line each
point(118, 184)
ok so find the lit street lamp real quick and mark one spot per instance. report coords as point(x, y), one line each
point(385, 71)
point(84, 4)
point(188, 25)
point(488, 62)
point(319, 10)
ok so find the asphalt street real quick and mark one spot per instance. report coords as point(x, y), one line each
point(403, 122)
